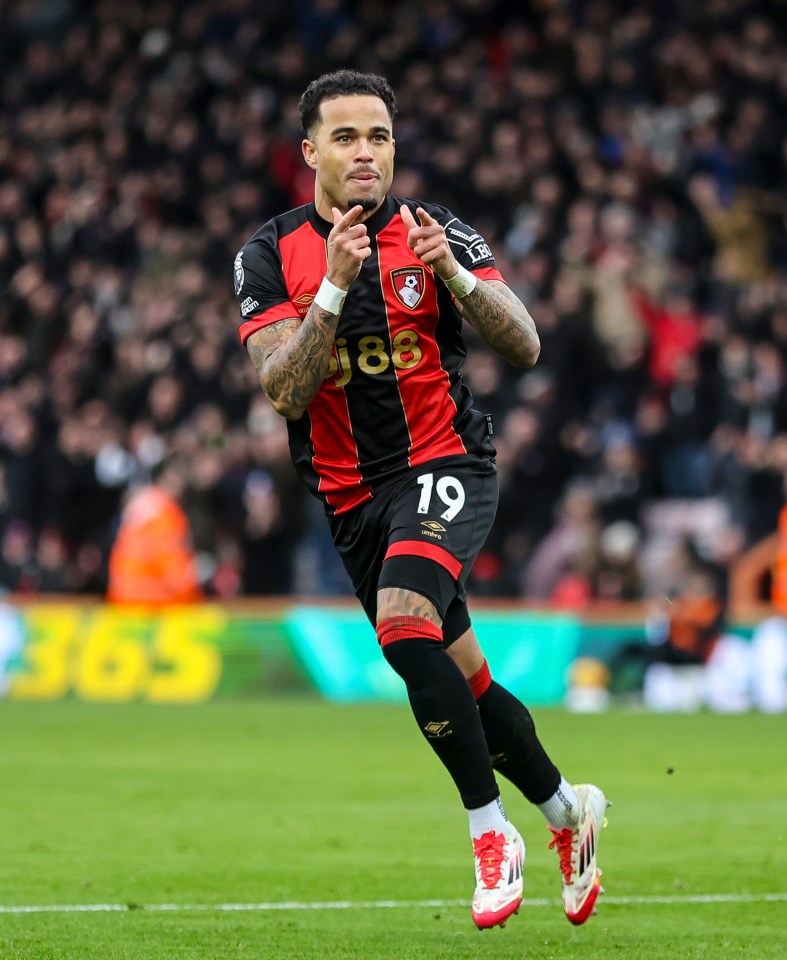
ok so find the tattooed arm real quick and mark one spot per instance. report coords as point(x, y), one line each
point(497, 314)
point(503, 322)
point(291, 357)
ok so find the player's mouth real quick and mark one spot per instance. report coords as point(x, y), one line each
point(363, 177)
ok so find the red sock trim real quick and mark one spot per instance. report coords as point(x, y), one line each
point(480, 681)
point(407, 628)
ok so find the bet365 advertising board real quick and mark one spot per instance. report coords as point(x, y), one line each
point(107, 654)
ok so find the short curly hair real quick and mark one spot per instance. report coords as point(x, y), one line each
point(342, 83)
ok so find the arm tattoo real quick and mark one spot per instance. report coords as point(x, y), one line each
point(503, 322)
point(291, 359)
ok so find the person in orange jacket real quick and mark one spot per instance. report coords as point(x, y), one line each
point(769, 640)
point(152, 559)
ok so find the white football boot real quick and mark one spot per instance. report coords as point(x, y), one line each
point(499, 861)
point(576, 849)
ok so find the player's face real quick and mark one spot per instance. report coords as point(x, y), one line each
point(351, 152)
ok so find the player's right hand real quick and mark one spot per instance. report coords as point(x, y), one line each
point(348, 246)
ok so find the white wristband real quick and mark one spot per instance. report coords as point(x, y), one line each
point(330, 297)
point(462, 283)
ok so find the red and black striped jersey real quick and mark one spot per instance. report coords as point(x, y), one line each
point(393, 396)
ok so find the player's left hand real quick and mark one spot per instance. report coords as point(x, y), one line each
point(428, 242)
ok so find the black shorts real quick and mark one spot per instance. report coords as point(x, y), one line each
point(421, 532)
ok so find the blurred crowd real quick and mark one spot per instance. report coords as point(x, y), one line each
point(626, 161)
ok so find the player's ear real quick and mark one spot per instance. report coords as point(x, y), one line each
point(393, 146)
point(309, 153)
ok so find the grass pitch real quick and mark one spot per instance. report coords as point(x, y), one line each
point(163, 813)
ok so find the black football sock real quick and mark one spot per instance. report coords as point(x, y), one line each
point(446, 713)
point(514, 747)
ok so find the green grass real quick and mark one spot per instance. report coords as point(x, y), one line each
point(298, 800)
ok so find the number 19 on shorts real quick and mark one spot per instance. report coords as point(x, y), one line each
point(449, 491)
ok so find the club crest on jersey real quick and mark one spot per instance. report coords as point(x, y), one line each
point(409, 285)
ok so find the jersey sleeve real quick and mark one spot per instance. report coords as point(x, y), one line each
point(259, 285)
point(468, 246)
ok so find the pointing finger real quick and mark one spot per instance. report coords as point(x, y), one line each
point(343, 222)
point(425, 218)
point(407, 217)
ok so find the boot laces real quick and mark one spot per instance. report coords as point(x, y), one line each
point(488, 850)
point(563, 840)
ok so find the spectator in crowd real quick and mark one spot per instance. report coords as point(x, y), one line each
point(682, 627)
point(152, 559)
point(52, 574)
point(564, 561)
point(17, 566)
point(763, 663)
point(628, 163)
point(266, 546)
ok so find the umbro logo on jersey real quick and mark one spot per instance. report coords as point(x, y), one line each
point(409, 284)
point(302, 303)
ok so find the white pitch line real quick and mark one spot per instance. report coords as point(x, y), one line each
point(371, 904)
